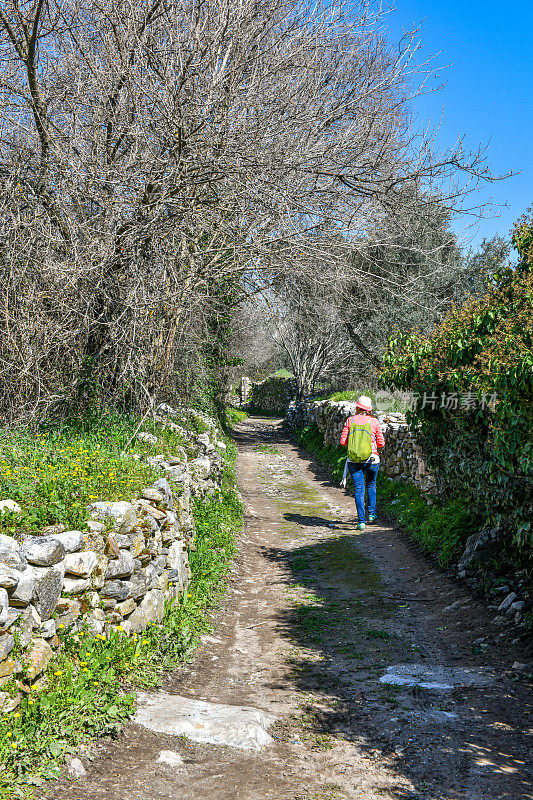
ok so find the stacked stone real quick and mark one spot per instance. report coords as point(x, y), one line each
point(402, 457)
point(273, 395)
point(116, 573)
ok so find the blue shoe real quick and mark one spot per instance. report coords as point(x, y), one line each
point(361, 527)
point(372, 517)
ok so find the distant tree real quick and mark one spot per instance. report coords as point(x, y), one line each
point(479, 265)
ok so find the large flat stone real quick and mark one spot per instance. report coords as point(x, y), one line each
point(72, 541)
point(11, 557)
point(75, 585)
point(150, 609)
point(121, 567)
point(81, 564)
point(434, 677)
point(7, 643)
point(42, 551)
point(47, 586)
point(118, 590)
point(23, 592)
point(209, 723)
point(38, 658)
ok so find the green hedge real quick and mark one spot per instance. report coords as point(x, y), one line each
point(481, 354)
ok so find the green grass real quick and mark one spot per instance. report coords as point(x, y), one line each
point(282, 373)
point(441, 527)
point(55, 472)
point(269, 449)
point(351, 395)
point(382, 402)
point(373, 633)
point(232, 416)
point(90, 682)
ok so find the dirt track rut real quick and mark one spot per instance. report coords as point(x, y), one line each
point(315, 614)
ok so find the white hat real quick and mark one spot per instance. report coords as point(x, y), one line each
point(364, 402)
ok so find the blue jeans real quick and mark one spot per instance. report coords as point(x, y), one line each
point(359, 472)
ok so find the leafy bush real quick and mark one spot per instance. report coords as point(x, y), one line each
point(480, 360)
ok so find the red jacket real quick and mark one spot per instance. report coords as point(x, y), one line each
point(378, 440)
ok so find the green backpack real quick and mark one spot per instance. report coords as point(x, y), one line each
point(360, 442)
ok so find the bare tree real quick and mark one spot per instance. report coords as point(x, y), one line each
point(155, 156)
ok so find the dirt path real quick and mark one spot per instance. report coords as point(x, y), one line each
point(314, 616)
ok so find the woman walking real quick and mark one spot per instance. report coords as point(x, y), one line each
point(363, 435)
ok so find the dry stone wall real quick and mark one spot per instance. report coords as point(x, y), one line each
point(118, 571)
point(273, 395)
point(401, 458)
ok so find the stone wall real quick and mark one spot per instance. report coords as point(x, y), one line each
point(273, 395)
point(401, 458)
point(118, 571)
point(244, 390)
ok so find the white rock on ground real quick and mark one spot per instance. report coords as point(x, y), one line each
point(209, 723)
point(9, 505)
point(144, 436)
point(116, 510)
point(75, 768)
point(171, 758)
point(434, 677)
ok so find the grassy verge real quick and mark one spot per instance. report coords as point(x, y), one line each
point(440, 528)
point(54, 472)
point(90, 683)
point(232, 416)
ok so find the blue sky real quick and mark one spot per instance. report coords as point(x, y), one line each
point(489, 89)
